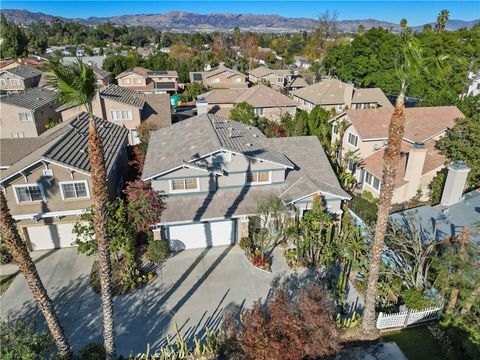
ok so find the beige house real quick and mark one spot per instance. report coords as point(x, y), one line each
point(220, 77)
point(278, 79)
point(19, 78)
point(103, 77)
point(214, 172)
point(127, 108)
point(331, 93)
point(266, 102)
point(27, 114)
point(149, 82)
point(366, 133)
point(47, 180)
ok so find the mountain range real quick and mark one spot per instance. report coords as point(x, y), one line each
point(179, 21)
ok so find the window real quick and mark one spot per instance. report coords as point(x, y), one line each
point(28, 193)
point(14, 82)
point(121, 115)
point(258, 111)
point(352, 139)
point(47, 172)
point(221, 158)
point(126, 81)
point(340, 107)
point(189, 184)
point(3, 82)
point(258, 177)
point(138, 81)
point(368, 178)
point(335, 129)
point(74, 190)
point(280, 80)
point(376, 183)
point(24, 116)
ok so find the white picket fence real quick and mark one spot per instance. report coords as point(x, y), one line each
point(408, 317)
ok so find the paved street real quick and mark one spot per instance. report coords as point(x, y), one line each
point(192, 289)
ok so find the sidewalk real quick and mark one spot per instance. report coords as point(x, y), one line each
point(39, 255)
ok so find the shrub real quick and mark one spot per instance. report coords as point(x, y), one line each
point(259, 261)
point(93, 351)
point(246, 243)
point(5, 256)
point(21, 341)
point(365, 209)
point(157, 251)
point(414, 299)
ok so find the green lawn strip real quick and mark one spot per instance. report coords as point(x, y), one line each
point(416, 343)
point(5, 282)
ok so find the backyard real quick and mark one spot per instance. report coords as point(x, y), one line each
point(416, 343)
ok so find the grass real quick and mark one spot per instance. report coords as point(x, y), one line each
point(5, 282)
point(366, 210)
point(416, 343)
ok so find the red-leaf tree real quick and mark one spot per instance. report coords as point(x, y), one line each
point(145, 205)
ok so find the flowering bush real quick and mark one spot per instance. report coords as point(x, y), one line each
point(260, 261)
point(145, 205)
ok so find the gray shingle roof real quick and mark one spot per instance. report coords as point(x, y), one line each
point(67, 144)
point(201, 135)
point(122, 94)
point(31, 99)
point(24, 72)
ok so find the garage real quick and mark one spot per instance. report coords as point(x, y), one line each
point(202, 235)
point(44, 237)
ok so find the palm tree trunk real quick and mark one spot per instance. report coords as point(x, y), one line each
point(100, 198)
point(18, 249)
point(390, 165)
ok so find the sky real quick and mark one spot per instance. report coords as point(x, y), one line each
point(416, 12)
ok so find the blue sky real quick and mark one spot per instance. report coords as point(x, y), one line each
point(416, 12)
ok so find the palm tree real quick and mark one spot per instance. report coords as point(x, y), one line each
point(408, 66)
point(18, 250)
point(442, 19)
point(76, 84)
point(403, 26)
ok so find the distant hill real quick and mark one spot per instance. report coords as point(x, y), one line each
point(178, 21)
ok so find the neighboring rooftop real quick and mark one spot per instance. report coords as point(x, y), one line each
point(22, 71)
point(147, 73)
point(100, 73)
point(122, 95)
point(326, 92)
point(263, 71)
point(366, 95)
point(32, 99)
point(156, 110)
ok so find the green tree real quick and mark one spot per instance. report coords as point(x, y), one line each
point(442, 19)
point(436, 187)
point(361, 29)
point(243, 112)
point(403, 26)
point(14, 42)
point(21, 341)
point(192, 90)
point(318, 125)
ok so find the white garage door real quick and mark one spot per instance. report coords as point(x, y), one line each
point(201, 235)
point(51, 236)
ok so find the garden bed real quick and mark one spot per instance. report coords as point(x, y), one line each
point(257, 262)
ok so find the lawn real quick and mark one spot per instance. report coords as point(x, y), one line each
point(5, 282)
point(416, 343)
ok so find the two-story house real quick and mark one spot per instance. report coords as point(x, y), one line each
point(149, 82)
point(214, 171)
point(266, 102)
point(127, 108)
point(19, 78)
point(27, 114)
point(220, 77)
point(103, 77)
point(331, 93)
point(277, 78)
point(47, 179)
point(366, 132)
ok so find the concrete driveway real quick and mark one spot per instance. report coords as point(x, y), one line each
point(193, 289)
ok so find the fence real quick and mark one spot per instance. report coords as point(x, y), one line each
point(407, 317)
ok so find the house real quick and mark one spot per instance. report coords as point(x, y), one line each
point(47, 179)
point(296, 83)
point(220, 77)
point(214, 171)
point(279, 79)
point(27, 114)
point(474, 85)
point(19, 78)
point(266, 102)
point(103, 77)
point(455, 211)
point(331, 93)
point(149, 82)
point(127, 108)
point(366, 132)
point(301, 62)
point(94, 61)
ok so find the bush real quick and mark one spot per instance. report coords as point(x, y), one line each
point(5, 256)
point(21, 341)
point(93, 351)
point(365, 209)
point(246, 243)
point(414, 299)
point(157, 251)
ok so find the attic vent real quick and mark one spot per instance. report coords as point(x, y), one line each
point(248, 144)
point(82, 151)
point(248, 127)
point(230, 132)
point(255, 135)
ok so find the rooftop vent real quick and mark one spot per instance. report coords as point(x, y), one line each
point(248, 144)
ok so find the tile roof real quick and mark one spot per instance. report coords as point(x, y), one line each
point(220, 69)
point(298, 82)
point(147, 73)
point(100, 73)
point(203, 134)
point(421, 123)
point(32, 99)
point(122, 94)
point(257, 96)
point(371, 95)
point(67, 144)
point(326, 92)
point(157, 109)
point(260, 71)
point(24, 72)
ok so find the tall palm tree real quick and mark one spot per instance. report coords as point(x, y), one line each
point(18, 250)
point(76, 84)
point(442, 19)
point(403, 26)
point(408, 66)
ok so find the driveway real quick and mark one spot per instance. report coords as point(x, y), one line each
point(192, 289)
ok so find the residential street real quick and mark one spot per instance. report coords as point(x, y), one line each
point(192, 289)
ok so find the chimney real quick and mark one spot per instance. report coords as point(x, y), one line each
point(455, 183)
point(414, 168)
point(202, 105)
